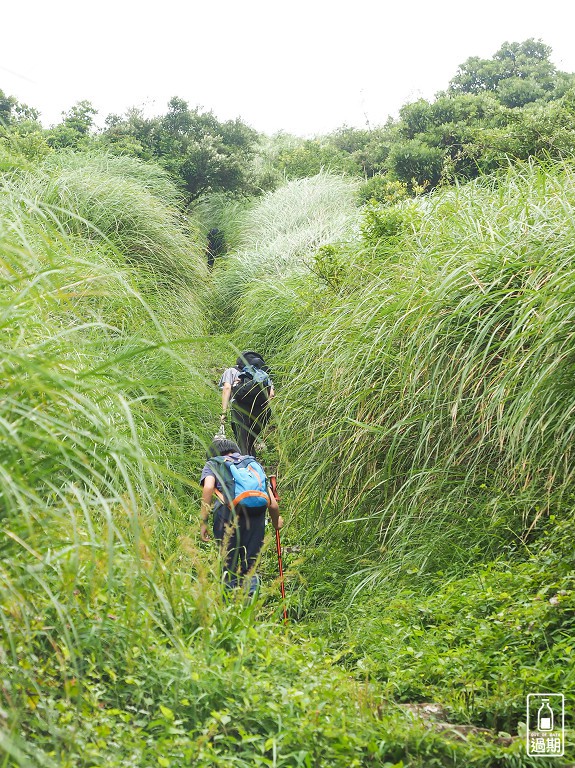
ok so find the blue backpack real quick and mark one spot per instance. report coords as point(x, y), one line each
point(244, 482)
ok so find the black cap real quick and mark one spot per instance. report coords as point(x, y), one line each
point(249, 357)
point(221, 446)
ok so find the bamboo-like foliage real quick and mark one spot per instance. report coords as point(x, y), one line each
point(428, 415)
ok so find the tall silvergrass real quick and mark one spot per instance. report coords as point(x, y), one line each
point(95, 382)
point(281, 233)
point(125, 203)
point(296, 219)
point(273, 311)
point(427, 417)
point(225, 213)
point(100, 428)
point(122, 218)
point(118, 647)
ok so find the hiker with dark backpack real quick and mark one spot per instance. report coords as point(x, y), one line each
point(242, 496)
point(247, 390)
point(216, 246)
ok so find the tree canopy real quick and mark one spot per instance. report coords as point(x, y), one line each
point(519, 73)
point(204, 154)
point(514, 105)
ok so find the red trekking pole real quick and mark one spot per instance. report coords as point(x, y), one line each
point(274, 488)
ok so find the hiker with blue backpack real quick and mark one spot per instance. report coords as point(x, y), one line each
point(238, 489)
point(247, 390)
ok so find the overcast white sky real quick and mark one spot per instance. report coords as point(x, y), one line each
point(303, 66)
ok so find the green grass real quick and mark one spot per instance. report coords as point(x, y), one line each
point(476, 644)
point(424, 424)
point(279, 237)
point(129, 205)
point(422, 364)
point(427, 395)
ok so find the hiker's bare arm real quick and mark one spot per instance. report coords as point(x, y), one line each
point(206, 505)
point(226, 393)
point(272, 392)
point(274, 510)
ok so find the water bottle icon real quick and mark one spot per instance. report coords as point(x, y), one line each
point(545, 717)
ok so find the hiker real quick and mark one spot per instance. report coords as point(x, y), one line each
point(216, 246)
point(238, 528)
point(247, 390)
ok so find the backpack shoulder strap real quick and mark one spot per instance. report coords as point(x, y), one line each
point(221, 467)
point(244, 460)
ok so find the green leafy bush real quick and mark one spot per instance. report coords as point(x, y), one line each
point(476, 645)
point(382, 189)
